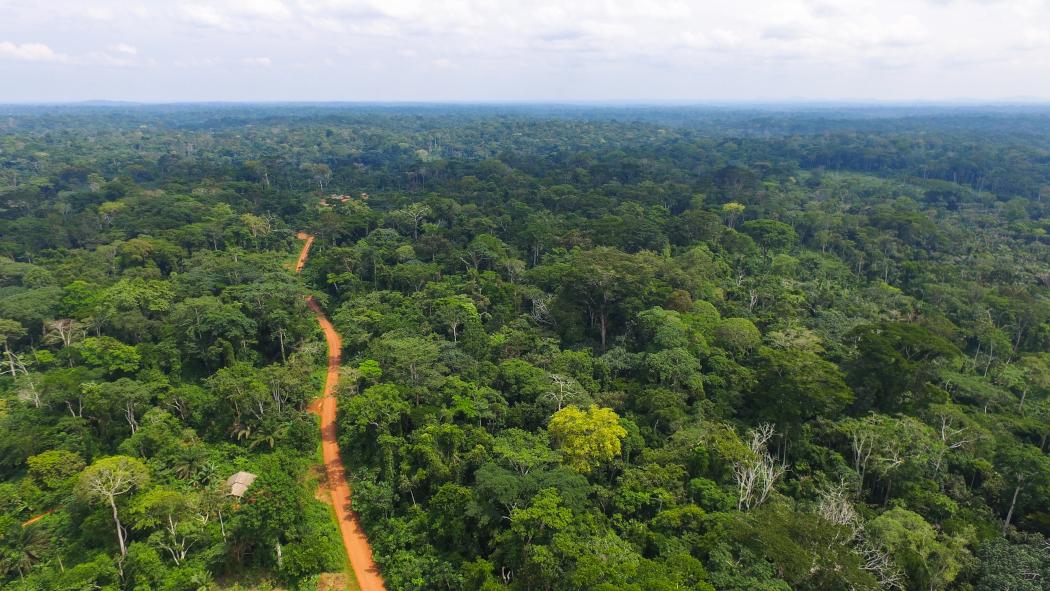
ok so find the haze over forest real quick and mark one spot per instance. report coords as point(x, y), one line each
point(543, 50)
point(461, 295)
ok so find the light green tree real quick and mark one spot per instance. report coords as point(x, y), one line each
point(587, 439)
point(109, 478)
point(932, 561)
point(170, 511)
point(53, 468)
point(731, 212)
point(453, 312)
point(524, 451)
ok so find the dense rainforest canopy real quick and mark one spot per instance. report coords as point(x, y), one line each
point(585, 348)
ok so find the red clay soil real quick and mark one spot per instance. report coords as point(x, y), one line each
point(36, 518)
point(354, 539)
point(306, 250)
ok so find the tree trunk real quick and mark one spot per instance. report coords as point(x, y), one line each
point(120, 528)
point(10, 359)
point(1013, 503)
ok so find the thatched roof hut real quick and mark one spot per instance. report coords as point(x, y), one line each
point(239, 483)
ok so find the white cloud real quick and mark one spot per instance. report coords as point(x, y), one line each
point(100, 13)
point(105, 58)
point(195, 63)
point(120, 54)
point(1034, 39)
point(209, 16)
point(232, 15)
point(552, 48)
point(266, 9)
point(125, 49)
point(106, 11)
point(259, 62)
point(30, 52)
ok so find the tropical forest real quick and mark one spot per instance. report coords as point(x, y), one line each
point(524, 347)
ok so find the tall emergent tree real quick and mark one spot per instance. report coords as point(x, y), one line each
point(109, 478)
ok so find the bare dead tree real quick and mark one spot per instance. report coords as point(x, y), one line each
point(27, 390)
point(541, 313)
point(862, 441)
point(757, 475)
point(836, 507)
point(63, 330)
point(564, 389)
point(952, 438)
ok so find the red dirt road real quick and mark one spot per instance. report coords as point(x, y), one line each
point(306, 250)
point(37, 518)
point(354, 539)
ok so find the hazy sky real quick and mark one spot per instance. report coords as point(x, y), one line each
point(531, 50)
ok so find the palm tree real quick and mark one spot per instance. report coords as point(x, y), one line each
point(24, 547)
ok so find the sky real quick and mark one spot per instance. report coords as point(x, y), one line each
point(525, 50)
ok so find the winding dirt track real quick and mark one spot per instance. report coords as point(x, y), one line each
point(37, 518)
point(354, 539)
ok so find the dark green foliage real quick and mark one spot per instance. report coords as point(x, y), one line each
point(1021, 566)
point(624, 349)
point(895, 363)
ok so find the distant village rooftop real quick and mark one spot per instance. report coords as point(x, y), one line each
point(336, 199)
point(239, 483)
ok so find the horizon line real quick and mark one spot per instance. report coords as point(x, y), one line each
point(947, 102)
